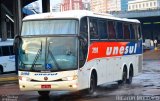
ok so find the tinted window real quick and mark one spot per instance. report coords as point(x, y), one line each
point(1, 54)
point(119, 27)
point(83, 47)
point(111, 30)
point(132, 31)
point(126, 31)
point(93, 29)
point(102, 29)
point(5, 50)
point(84, 28)
point(11, 50)
point(137, 31)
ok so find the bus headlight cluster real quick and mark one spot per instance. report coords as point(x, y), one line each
point(69, 78)
point(24, 78)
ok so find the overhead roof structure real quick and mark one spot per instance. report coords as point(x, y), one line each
point(10, 3)
point(12, 10)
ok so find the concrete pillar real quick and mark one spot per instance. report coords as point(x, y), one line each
point(3, 25)
point(45, 6)
point(17, 13)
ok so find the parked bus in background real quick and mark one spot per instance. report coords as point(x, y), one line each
point(7, 57)
point(75, 50)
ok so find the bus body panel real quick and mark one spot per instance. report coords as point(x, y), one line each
point(7, 57)
point(111, 69)
point(8, 63)
point(109, 59)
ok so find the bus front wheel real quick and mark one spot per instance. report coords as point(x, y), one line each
point(93, 84)
point(1, 69)
point(43, 93)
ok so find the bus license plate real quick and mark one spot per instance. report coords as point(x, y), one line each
point(45, 86)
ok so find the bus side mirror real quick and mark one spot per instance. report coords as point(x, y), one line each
point(17, 38)
point(83, 40)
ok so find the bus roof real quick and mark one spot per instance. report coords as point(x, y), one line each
point(8, 42)
point(75, 14)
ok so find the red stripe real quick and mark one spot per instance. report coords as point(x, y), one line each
point(105, 49)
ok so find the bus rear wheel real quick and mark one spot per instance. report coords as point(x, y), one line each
point(44, 93)
point(129, 80)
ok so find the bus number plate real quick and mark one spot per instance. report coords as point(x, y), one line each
point(45, 86)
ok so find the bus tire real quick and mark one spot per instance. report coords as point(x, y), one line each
point(124, 77)
point(129, 80)
point(1, 69)
point(44, 93)
point(93, 84)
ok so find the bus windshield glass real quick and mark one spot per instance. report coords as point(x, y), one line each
point(49, 27)
point(48, 54)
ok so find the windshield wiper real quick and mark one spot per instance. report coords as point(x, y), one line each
point(36, 57)
point(53, 58)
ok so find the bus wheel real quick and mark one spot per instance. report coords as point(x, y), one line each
point(93, 84)
point(43, 93)
point(124, 77)
point(129, 80)
point(1, 70)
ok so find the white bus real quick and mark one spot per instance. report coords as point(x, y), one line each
point(7, 57)
point(76, 50)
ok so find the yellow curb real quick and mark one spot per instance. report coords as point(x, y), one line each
point(8, 79)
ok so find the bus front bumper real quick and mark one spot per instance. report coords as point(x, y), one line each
point(43, 86)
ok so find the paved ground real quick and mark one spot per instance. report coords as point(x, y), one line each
point(151, 55)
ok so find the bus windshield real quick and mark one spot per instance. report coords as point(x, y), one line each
point(49, 27)
point(48, 54)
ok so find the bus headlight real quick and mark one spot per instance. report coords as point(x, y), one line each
point(24, 78)
point(69, 78)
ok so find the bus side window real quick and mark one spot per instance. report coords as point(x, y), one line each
point(84, 28)
point(5, 50)
point(1, 54)
point(126, 31)
point(137, 31)
point(93, 29)
point(11, 50)
point(111, 30)
point(119, 27)
point(140, 33)
point(102, 29)
point(132, 30)
point(83, 49)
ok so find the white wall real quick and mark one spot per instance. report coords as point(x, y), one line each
point(143, 5)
